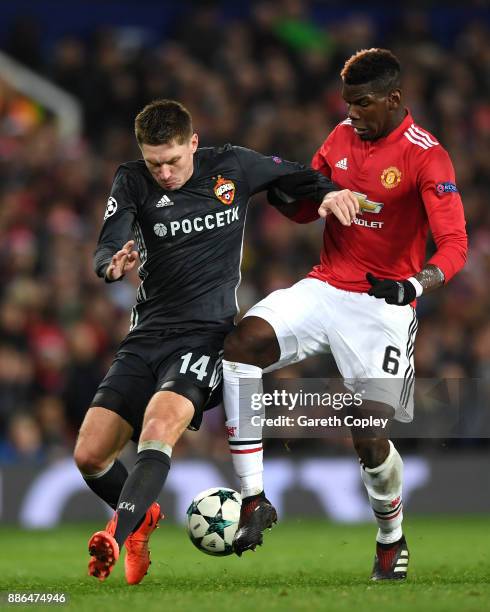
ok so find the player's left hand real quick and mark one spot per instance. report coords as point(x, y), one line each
point(122, 262)
point(399, 293)
point(343, 204)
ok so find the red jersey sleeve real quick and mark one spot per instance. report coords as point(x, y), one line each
point(437, 186)
point(319, 161)
point(307, 210)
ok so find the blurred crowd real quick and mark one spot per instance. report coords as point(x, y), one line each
point(270, 82)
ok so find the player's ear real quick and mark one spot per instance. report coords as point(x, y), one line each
point(194, 142)
point(394, 99)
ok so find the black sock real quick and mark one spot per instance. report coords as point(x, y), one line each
point(141, 489)
point(109, 486)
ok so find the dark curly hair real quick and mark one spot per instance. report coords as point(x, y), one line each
point(378, 66)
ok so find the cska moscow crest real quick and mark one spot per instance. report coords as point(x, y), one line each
point(224, 190)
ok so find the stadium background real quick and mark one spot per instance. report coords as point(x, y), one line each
point(263, 75)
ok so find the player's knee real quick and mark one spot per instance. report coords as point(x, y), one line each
point(253, 342)
point(154, 429)
point(89, 461)
point(164, 430)
point(168, 425)
point(372, 452)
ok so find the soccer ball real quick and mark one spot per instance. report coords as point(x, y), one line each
point(212, 520)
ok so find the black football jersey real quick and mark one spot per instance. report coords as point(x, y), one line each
point(189, 240)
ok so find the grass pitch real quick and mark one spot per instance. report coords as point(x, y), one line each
point(304, 565)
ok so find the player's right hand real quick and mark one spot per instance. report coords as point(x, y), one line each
point(123, 261)
point(343, 204)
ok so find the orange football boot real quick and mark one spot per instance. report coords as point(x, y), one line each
point(104, 551)
point(137, 559)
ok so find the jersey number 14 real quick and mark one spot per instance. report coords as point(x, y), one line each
point(199, 367)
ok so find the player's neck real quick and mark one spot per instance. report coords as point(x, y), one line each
point(189, 174)
point(191, 171)
point(396, 120)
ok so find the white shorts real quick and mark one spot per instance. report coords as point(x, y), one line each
point(372, 341)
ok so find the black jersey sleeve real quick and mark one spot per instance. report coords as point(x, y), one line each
point(263, 172)
point(119, 215)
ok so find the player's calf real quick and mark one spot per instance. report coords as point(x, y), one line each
point(241, 381)
point(384, 487)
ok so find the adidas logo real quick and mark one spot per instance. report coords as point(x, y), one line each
point(342, 164)
point(164, 201)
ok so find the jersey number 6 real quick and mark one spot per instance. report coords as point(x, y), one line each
point(390, 362)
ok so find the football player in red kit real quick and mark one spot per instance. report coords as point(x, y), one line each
point(359, 301)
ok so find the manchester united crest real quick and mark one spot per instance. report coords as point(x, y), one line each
point(391, 177)
point(224, 190)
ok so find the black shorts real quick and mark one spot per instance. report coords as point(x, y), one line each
point(144, 362)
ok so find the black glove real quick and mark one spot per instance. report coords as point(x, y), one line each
point(278, 198)
point(399, 293)
point(304, 184)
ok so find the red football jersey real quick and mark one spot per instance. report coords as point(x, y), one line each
point(409, 186)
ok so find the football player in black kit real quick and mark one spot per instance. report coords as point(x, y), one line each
point(181, 210)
